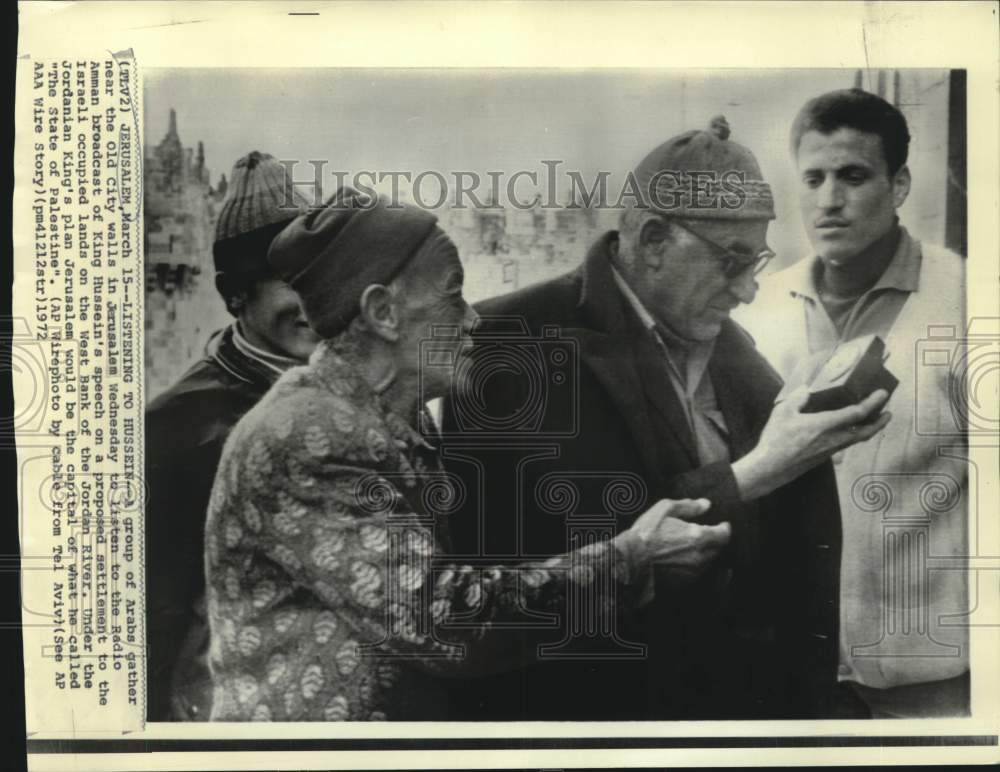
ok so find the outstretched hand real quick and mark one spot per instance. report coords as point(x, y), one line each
point(664, 536)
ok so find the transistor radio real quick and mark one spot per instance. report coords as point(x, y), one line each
point(853, 370)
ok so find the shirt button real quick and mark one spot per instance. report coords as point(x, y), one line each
point(838, 457)
point(844, 670)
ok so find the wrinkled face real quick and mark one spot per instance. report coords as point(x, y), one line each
point(846, 196)
point(689, 292)
point(272, 316)
point(436, 320)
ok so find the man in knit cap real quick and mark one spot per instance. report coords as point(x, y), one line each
point(670, 391)
point(327, 594)
point(187, 425)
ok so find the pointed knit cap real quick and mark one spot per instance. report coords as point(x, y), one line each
point(260, 201)
point(704, 175)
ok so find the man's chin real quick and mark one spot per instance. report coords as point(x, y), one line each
point(837, 258)
point(707, 330)
point(301, 344)
point(836, 254)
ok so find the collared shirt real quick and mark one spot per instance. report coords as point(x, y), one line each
point(274, 362)
point(874, 311)
point(687, 363)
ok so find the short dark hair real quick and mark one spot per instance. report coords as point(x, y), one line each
point(241, 262)
point(238, 287)
point(856, 109)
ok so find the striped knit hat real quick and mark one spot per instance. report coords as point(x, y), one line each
point(705, 175)
point(259, 203)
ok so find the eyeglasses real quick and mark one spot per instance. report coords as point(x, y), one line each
point(733, 263)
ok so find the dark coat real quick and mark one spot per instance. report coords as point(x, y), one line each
point(325, 599)
point(186, 427)
point(757, 636)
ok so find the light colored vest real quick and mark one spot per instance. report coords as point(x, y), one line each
point(903, 493)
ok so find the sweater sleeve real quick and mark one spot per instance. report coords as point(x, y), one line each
point(373, 562)
point(316, 507)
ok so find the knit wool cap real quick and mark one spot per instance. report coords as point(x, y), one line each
point(703, 175)
point(260, 202)
point(331, 255)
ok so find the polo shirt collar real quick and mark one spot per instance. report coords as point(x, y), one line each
point(902, 273)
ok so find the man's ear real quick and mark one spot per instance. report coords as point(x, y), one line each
point(653, 235)
point(900, 186)
point(234, 292)
point(379, 312)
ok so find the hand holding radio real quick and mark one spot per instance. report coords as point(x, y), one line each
point(839, 404)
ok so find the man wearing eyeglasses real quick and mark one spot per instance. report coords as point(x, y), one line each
point(671, 391)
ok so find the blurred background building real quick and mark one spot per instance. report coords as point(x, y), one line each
point(182, 306)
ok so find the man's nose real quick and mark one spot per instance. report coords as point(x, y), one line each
point(830, 195)
point(744, 286)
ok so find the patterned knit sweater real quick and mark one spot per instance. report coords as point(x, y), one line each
point(326, 599)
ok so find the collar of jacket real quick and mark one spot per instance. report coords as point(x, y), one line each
point(601, 302)
point(610, 346)
point(222, 350)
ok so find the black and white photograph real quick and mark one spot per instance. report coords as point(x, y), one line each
point(512, 385)
point(554, 396)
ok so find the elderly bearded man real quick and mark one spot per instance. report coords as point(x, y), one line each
point(325, 599)
point(187, 425)
point(671, 391)
point(870, 276)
